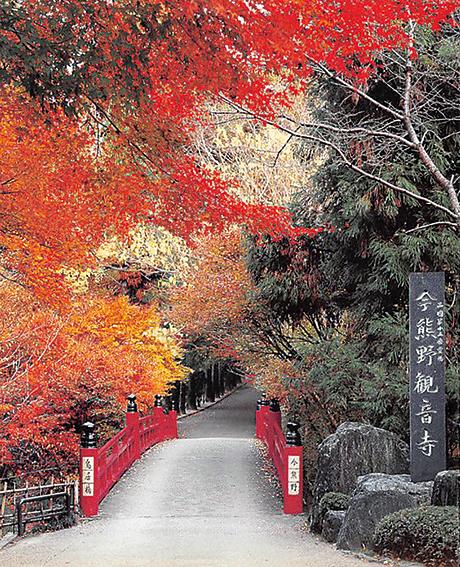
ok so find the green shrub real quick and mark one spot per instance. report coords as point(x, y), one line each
point(430, 534)
point(332, 501)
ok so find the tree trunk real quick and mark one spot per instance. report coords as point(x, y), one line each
point(191, 398)
point(210, 392)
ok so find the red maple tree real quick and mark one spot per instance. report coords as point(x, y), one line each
point(130, 78)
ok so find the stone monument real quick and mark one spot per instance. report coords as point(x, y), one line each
point(427, 362)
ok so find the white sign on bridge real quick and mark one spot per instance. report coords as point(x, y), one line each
point(294, 475)
point(88, 476)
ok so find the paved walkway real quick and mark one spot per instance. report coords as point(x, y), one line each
point(203, 500)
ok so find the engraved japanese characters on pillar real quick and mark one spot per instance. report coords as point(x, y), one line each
point(427, 393)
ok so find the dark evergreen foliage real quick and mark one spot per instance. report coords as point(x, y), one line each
point(430, 534)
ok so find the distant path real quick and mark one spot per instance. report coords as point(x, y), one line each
point(201, 501)
point(233, 417)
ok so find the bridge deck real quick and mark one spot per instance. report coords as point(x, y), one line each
point(202, 500)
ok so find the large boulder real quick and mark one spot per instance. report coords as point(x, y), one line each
point(446, 489)
point(355, 449)
point(377, 496)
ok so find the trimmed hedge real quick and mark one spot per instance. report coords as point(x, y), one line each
point(430, 534)
point(332, 501)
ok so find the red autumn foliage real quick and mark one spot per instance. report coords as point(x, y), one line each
point(56, 372)
point(138, 72)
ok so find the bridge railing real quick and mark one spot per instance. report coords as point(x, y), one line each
point(284, 451)
point(101, 468)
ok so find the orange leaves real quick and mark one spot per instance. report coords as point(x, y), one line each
point(124, 329)
point(66, 189)
point(216, 292)
point(58, 371)
point(138, 73)
point(44, 175)
point(58, 201)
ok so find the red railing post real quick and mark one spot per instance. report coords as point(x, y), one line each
point(284, 451)
point(173, 419)
point(132, 424)
point(159, 419)
point(261, 417)
point(258, 424)
point(89, 487)
point(272, 418)
point(293, 471)
point(101, 468)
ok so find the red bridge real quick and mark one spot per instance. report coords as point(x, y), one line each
point(101, 468)
point(206, 499)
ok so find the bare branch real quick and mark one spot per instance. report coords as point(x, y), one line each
point(356, 130)
point(345, 159)
point(439, 223)
point(424, 156)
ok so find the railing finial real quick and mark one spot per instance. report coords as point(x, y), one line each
point(132, 405)
point(293, 438)
point(263, 401)
point(88, 436)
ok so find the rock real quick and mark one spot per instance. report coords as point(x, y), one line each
point(359, 524)
point(355, 449)
point(332, 501)
point(332, 523)
point(377, 496)
point(378, 482)
point(446, 489)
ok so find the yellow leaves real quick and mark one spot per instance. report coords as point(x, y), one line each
point(5, 408)
point(111, 320)
point(104, 348)
point(261, 157)
point(78, 279)
point(151, 249)
point(129, 331)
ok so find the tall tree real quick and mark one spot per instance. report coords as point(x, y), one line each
point(141, 70)
point(58, 371)
point(410, 103)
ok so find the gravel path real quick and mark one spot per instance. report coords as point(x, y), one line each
point(203, 500)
